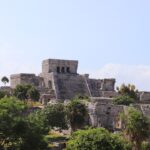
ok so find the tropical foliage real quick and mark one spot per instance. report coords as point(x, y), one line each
point(24, 92)
point(123, 100)
point(129, 90)
point(97, 139)
point(16, 130)
point(77, 113)
point(136, 127)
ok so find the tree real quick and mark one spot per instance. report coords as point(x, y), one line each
point(24, 92)
point(123, 100)
point(5, 80)
point(33, 94)
point(21, 91)
point(56, 115)
point(10, 109)
point(97, 139)
point(129, 90)
point(3, 94)
point(77, 114)
point(17, 131)
point(136, 127)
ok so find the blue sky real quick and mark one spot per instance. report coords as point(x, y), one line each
point(110, 38)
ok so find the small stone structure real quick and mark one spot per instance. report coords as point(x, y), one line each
point(60, 80)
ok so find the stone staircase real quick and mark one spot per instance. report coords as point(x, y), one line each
point(94, 87)
point(69, 86)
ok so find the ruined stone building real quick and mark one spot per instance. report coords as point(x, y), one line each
point(59, 80)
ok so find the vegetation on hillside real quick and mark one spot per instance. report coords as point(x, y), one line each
point(76, 113)
point(137, 127)
point(127, 95)
point(22, 127)
point(97, 139)
point(24, 92)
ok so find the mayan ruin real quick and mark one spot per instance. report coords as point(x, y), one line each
point(74, 75)
point(60, 82)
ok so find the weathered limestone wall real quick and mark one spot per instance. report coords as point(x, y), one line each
point(109, 94)
point(26, 79)
point(103, 113)
point(6, 88)
point(95, 87)
point(145, 109)
point(145, 97)
point(108, 85)
point(60, 66)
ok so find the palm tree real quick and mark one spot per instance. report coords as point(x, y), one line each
point(5, 80)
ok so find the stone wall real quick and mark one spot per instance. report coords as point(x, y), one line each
point(70, 86)
point(103, 113)
point(145, 97)
point(26, 79)
point(59, 66)
point(6, 89)
point(108, 85)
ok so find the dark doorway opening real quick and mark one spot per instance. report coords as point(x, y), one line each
point(58, 69)
point(68, 70)
point(63, 69)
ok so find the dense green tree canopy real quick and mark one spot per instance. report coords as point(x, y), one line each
point(77, 114)
point(129, 90)
point(56, 115)
point(3, 94)
point(33, 94)
point(24, 92)
point(97, 139)
point(17, 131)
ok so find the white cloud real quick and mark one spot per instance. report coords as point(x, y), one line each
point(135, 74)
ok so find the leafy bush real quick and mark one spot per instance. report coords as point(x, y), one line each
point(136, 127)
point(123, 100)
point(3, 94)
point(77, 113)
point(129, 90)
point(97, 139)
point(56, 115)
point(24, 92)
point(17, 131)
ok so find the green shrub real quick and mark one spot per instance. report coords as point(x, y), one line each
point(123, 100)
point(97, 139)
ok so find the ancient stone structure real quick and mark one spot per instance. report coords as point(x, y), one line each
point(59, 79)
point(103, 113)
point(23, 78)
point(144, 97)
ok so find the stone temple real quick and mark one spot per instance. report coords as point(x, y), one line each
point(60, 80)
